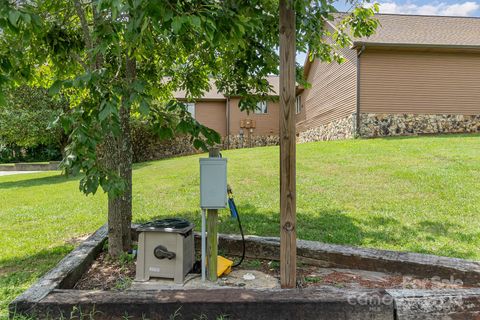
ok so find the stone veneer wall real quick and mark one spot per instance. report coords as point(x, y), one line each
point(237, 141)
point(148, 147)
point(335, 130)
point(376, 125)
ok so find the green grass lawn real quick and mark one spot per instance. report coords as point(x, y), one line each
point(414, 194)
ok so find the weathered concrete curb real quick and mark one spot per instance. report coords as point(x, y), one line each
point(51, 296)
point(340, 256)
point(322, 304)
point(52, 165)
point(64, 275)
point(436, 304)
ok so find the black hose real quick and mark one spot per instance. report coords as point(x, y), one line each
point(241, 232)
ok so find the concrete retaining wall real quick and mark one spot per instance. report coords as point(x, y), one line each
point(53, 165)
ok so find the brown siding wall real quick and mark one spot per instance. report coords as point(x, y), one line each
point(266, 124)
point(414, 82)
point(332, 95)
point(213, 115)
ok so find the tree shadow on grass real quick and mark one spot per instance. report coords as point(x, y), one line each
point(34, 182)
point(337, 227)
point(18, 273)
point(35, 262)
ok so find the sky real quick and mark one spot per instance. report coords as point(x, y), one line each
point(468, 8)
point(422, 7)
point(427, 7)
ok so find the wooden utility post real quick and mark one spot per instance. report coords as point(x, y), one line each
point(288, 238)
point(212, 232)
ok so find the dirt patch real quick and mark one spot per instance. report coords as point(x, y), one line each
point(7, 270)
point(77, 240)
point(108, 274)
point(312, 276)
point(346, 278)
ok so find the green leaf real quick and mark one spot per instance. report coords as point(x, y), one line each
point(194, 20)
point(183, 126)
point(36, 20)
point(138, 86)
point(177, 24)
point(165, 132)
point(107, 110)
point(13, 16)
point(144, 107)
point(198, 144)
point(168, 15)
point(26, 18)
point(55, 88)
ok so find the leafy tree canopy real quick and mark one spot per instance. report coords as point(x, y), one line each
point(26, 120)
point(176, 44)
point(116, 59)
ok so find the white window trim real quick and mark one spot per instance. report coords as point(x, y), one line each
point(191, 108)
point(298, 104)
point(260, 110)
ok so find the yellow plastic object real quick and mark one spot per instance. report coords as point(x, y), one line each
point(224, 266)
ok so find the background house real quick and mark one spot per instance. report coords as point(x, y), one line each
point(237, 128)
point(416, 75)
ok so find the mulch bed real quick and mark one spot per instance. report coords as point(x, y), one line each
point(108, 274)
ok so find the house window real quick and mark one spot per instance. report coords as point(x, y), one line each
point(298, 104)
point(191, 108)
point(261, 107)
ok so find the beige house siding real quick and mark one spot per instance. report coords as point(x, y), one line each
point(213, 115)
point(266, 124)
point(419, 82)
point(332, 95)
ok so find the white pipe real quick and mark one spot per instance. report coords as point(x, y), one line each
point(204, 244)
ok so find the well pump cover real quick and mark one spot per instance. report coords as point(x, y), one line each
point(213, 183)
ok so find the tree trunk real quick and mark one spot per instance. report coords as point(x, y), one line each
point(120, 155)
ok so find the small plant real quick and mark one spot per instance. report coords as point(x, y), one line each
point(176, 315)
point(125, 259)
point(312, 279)
point(105, 245)
point(254, 264)
point(274, 265)
point(126, 316)
point(123, 283)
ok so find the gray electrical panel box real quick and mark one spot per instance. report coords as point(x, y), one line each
point(213, 183)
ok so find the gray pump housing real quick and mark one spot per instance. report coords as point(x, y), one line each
point(165, 253)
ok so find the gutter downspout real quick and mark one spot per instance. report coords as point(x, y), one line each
point(228, 122)
point(357, 111)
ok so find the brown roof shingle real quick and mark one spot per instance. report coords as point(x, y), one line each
point(214, 94)
point(411, 30)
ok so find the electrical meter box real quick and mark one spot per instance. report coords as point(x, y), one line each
point(213, 183)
